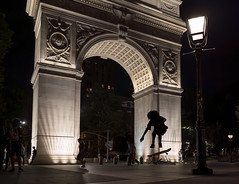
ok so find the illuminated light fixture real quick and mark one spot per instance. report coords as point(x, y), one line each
point(197, 32)
point(230, 137)
point(23, 122)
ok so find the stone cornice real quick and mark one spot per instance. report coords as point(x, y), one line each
point(158, 89)
point(56, 70)
point(143, 14)
point(32, 7)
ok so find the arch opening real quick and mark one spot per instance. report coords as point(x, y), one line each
point(128, 57)
point(106, 105)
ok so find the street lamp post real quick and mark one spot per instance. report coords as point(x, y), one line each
point(230, 138)
point(197, 38)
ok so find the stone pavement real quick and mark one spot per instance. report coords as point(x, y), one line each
point(223, 173)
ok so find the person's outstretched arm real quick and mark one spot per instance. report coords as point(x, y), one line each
point(142, 138)
point(146, 130)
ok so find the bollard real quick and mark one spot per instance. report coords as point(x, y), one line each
point(115, 160)
point(100, 160)
point(128, 161)
point(141, 160)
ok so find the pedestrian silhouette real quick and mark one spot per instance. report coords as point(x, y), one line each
point(131, 150)
point(195, 156)
point(160, 128)
point(2, 142)
point(5, 146)
point(34, 154)
point(23, 153)
point(16, 137)
point(82, 152)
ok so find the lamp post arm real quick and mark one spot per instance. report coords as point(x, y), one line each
point(209, 49)
point(187, 53)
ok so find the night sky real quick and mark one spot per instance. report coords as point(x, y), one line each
point(220, 67)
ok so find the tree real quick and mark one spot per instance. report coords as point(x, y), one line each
point(237, 113)
point(5, 43)
point(5, 37)
point(189, 120)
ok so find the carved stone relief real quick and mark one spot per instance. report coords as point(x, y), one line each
point(153, 51)
point(58, 42)
point(169, 7)
point(124, 16)
point(85, 32)
point(169, 71)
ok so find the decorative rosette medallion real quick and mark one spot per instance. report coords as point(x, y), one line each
point(169, 67)
point(58, 43)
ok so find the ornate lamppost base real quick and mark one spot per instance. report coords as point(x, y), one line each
point(202, 171)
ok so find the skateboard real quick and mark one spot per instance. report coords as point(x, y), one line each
point(161, 152)
point(157, 154)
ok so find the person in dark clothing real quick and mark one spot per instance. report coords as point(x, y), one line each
point(131, 150)
point(160, 128)
point(34, 154)
point(16, 136)
point(82, 152)
point(4, 145)
point(2, 142)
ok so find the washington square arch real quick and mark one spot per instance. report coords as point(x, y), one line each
point(143, 36)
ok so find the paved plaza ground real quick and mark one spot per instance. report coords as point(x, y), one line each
point(223, 173)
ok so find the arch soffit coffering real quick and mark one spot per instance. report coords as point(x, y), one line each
point(131, 56)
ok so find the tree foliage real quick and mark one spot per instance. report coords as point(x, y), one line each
point(101, 112)
point(237, 113)
point(5, 43)
point(12, 98)
point(5, 37)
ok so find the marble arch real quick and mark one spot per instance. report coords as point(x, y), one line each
point(144, 37)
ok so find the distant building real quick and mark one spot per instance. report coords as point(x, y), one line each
point(99, 72)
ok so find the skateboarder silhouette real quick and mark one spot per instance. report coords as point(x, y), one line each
point(160, 128)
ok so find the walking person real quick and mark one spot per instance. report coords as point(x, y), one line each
point(195, 156)
point(160, 128)
point(6, 144)
point(82, 152)
point(6, 150)
point(34, 154)
point(23, 153)
point(180, 155)
point(131, 150)
point(2, 142)
point(16, 136)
